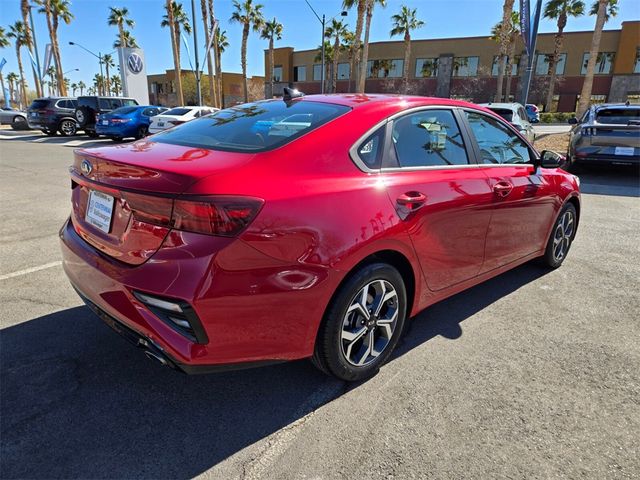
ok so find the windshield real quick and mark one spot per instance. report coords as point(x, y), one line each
point(620, 116)
point(124, 110)
point(178, 112)
point(504, 113)
point(254, 126)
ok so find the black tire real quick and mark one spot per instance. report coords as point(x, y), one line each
point(330, 355)
point(51, 133)
point(561, 237)
point(91, 134)
point(143, 131)
point(19, 123)
point(116, 139)
point(68, 127)
point(83, 116)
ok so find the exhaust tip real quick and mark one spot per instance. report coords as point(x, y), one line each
point(155, 356)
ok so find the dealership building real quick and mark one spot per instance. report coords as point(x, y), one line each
point(467, 68)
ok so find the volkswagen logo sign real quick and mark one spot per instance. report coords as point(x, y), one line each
point(86, 167)
point(134, 62)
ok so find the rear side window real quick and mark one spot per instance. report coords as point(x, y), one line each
point(369, 151)
point(497, 143)
point(252, 127)
point(109, 103)
point(620, 116)
point(88, 102)
point(178, 112)
point(428, 138)
point(150, 112)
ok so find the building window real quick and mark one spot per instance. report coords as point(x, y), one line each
point(384, 68)
point(543, 60)
point(317, 72)
point(426, 67)
point(300, 74)
point(603, 64)
point(495, 68)
point(465, 66)
point(344, 70)
point(636, 65)
point(277, 73)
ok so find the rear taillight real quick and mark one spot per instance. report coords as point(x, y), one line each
point(176, 122)
point(48, 111)
point(119, 120)
point(154, 210)
point(216, 215)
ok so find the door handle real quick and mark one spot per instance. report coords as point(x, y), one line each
point(412, 200)
point(502, 188)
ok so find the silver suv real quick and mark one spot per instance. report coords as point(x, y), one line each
point(606, 134)
point(516, 115)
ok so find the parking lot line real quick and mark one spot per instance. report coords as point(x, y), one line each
point(30, 270)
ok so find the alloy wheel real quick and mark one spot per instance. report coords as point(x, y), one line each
point(369, 323)
point(68, 127)
point(563, 235)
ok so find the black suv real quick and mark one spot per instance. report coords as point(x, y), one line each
point(90, 107)
point(52, 115)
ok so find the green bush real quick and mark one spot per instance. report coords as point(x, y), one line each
point(556, 117)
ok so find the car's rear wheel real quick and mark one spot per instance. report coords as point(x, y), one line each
point(143, 131)
point(363, 323)
point(561, 238)
point(18, 122)
point(68, 128)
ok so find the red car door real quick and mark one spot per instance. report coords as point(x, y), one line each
point(524, 202)
point(439, 193)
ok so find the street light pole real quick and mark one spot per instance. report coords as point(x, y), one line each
point(195, 53)
point(98, 55)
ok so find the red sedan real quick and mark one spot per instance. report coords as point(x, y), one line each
point(307, 227)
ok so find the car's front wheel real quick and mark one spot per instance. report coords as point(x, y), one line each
point(561, 238)
point(363, 323)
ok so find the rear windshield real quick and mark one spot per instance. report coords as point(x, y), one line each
point(618, 115)
point(124, 110)
point(253, 127)
point(504, 113)
point(39, 104)
point(178, 112)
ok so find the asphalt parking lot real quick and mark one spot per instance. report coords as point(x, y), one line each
point(534, 374)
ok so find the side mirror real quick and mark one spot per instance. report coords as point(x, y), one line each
point(573, 121)
point(549, 159)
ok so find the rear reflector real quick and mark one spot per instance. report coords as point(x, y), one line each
point(216, 215)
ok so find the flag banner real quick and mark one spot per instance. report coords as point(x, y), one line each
point(186, 46)
point(525, 24)
point(2, 63)
point(7, 101)
point(47, 59)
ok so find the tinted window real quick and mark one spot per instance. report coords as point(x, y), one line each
point(370, 150)
point(39, 104)
point(253, 126)
point(617, 115)
point(504, 113)
point(428, 138)
point(88, 102)
point(498, 144)
point(124, 110)
point(150, 112)
point(178, 112)
point(128, 102)
point(108, 104)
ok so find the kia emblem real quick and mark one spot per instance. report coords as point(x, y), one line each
point(134, 62)
point(86, 167)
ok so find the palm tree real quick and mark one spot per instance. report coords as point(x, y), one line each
point(12, 79)
point(74, 87)
point(176, 19)
point(51, 71)
point(116, 85)
point(336, 31)
point(329, 56)
point(81, 86)
point(559, 10)
point(403, 23)
point(24, 10)
point(108, 62)
point(56, 10)
point(216, 54)
point(603, 9)
point(129, 40)
point(207, 36)
point(4, 43)
point(365, 51)
point(119, 17)
point(17, 32)
point(271, 31)
point(507, 8)
point(249, 15)
point(514, 33)
point(355, 56)
point(222, 43)
point(98, 83)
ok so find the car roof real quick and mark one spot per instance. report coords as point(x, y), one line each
point(510, 105)
point(620, 106)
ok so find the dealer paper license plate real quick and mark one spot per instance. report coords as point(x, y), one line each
point(624, 150)
point(100, 210)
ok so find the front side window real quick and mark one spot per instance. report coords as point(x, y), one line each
point(543, 63)
point(428, 138)
point(465, 66)
point(498, 144)
point(426, 67)
point(604, 63)
point(253, 127)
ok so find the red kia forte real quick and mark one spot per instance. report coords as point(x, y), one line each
point(307, 227)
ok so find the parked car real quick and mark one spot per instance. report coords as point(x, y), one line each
point(606, 134)
point(533, 112)
point(53, 114)
point(89, 107)
point(209, 245)
point(178, 116)
point(15, 118)
point(127, 122)
point(515, 114)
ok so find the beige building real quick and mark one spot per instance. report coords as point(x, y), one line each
point(467, 68)
point(162, 88)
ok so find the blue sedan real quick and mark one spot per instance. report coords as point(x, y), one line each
point(127, 122)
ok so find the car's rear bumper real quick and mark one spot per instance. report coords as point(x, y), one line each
point(248, 317)
point(116, 131)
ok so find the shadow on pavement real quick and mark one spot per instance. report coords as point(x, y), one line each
point(78, 401)
point(618, 181)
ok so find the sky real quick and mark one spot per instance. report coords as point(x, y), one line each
point(302, 30)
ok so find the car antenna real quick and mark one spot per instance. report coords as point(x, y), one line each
point(291, 93)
